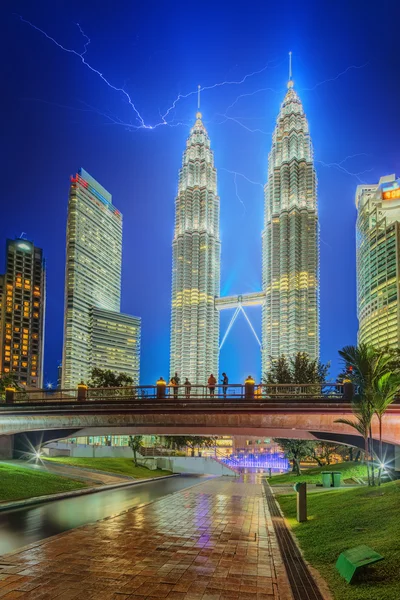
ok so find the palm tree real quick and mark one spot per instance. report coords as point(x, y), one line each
point(363, 412)
point(387, 388)
point(366, 366)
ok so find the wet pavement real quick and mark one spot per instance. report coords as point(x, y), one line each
point(23, 526)
point(213, 541)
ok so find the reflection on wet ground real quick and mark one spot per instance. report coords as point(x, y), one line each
point(31, 524)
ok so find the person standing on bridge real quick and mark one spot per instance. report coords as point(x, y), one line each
point(187, 385)
point(225, 382)
point(211, 384)
point(175, 382)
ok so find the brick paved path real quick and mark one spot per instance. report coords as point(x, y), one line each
point(214, 541)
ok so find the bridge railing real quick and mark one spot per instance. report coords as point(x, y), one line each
point(185, 393)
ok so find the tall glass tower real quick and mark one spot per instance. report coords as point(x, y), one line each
point(95, 333)
point(196, 251)
point(290, 259)
point(378, 262)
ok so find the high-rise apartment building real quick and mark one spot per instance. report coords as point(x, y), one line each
point(378, 262)
point(196, 250)
point(92, 279)
point(22, 313)
point(290, 254)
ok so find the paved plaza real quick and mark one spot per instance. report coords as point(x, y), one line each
point(214, 541)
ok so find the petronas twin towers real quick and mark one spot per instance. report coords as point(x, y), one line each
point(290, 252)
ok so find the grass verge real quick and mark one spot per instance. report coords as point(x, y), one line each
point(348, 470)
point(347, 518)
point(17, 483)
point(122, 466)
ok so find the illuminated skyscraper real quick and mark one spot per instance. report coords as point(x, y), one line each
point(290, 261)
point(196, 251)
point(378, 262)
point(92, 281)
point(22, 313)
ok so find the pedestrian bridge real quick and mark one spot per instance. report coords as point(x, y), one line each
point(291, 411)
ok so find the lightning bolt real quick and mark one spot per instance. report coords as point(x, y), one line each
point(121, 90)
point(339, 166)
point(333, 78)
point(236, 174)
point(236, 120)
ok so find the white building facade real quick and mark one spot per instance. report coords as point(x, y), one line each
point(290, 253)
point(196, 251)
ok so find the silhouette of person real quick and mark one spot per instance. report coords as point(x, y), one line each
point(225, 382)
point(211, 384)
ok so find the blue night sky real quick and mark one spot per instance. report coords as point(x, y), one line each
point(59, 116)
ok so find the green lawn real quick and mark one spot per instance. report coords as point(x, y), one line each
point(17, 483)
point(347, 518)
point(123, 466)
point(348, 470)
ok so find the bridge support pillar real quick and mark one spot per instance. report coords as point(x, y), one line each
point(6, 446)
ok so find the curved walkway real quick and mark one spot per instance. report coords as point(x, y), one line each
point(214, 541)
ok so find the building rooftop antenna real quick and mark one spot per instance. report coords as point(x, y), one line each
point(290, 82)
point(22, 236)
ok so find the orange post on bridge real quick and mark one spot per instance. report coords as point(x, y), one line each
point(82, 392)
point(161, 387)
point(10, 391)
point(249, 388)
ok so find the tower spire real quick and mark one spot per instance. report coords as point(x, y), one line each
point(198, 114)
point(290, 82)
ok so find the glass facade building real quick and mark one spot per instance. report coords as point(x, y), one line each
point(290, 254)
point(196, 251)
point(115, 342)
point(378, 260)
point(92, 279)
point(22, 313)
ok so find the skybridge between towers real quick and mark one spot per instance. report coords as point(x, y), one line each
point(238, 302)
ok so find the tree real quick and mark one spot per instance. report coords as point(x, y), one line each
point(9, 381)
point(296, 450)
point(102, 378)
point(300, 369)
point(386, 389)
point(369, 369)
point(135, 443)
point(190, 441)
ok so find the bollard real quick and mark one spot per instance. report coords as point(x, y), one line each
point(249, 388)
point(348, 391)
point(161, 387)
point(10, 392)
point(82, 392)
point(301, 489)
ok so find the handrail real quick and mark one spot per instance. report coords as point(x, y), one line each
point(187, 394)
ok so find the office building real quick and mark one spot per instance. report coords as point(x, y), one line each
point(22, 313)
point(290, 253)
point(92, 279)
point(378, 261)
point(115, 342)
point(196, 251)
